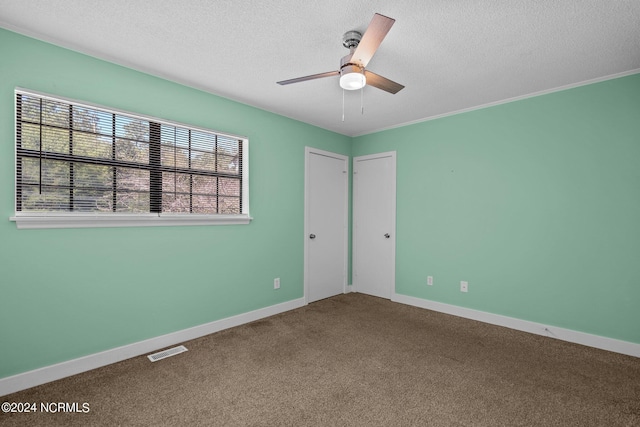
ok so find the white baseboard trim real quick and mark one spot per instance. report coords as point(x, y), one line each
point(590, 340)
point(61, 370)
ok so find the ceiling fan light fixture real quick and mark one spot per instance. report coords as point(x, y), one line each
point(352, 77)
point(353, 81)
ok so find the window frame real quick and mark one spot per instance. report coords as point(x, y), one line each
point(52, 219)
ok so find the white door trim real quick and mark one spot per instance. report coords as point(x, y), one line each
point(393, 180)
point(307, 152)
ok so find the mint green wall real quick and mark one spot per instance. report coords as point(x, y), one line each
point(535, 203)
point(72, 292)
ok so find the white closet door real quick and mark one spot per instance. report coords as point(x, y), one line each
point(374, 224)
point(326, 230)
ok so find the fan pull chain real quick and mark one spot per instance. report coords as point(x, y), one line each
point(343, 105)
point(362, 100)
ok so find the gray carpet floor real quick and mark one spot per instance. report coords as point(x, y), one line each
point(355, 360)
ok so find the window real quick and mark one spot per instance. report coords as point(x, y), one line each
point(79, 165)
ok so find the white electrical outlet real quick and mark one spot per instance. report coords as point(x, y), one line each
point(430, 280)
point(464, 286)
point(276, 283)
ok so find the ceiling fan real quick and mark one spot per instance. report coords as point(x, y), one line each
point(353, 73)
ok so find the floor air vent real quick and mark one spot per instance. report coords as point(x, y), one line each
point(167, 353)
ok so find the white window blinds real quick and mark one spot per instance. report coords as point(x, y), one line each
point(74, 158)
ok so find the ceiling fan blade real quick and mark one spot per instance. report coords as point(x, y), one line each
point(373, 36)
point(311, 77)
point(383, 83)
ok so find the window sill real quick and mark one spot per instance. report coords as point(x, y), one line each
point(30, 221)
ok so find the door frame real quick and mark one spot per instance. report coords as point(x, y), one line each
point(354, 243)
point(308, 151)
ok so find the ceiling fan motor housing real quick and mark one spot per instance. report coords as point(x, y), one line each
point(350, 67)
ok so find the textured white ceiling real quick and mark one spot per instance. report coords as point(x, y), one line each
point(451, 55)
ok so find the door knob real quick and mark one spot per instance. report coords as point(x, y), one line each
point(386, 235)
point(312, 236)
